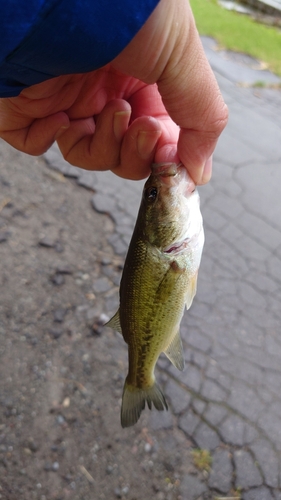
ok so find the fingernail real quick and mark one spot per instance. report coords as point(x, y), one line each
point(61, 131)
point(207, 171)
point(120, 123)
point(146, 142)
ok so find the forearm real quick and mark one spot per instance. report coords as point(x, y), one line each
point(43, 39)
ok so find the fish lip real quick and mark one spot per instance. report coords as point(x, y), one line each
point(166, 169)
point(171, 174)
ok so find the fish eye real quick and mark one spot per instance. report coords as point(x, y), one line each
point(151, 193)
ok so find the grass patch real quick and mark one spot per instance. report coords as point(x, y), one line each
point(234, 495)
point(239, 32)
point(202, 459)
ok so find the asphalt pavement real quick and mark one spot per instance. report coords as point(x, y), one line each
point(228, 399)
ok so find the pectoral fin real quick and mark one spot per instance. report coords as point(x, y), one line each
point(174, 352)
point(191, 291)
point(114, 322)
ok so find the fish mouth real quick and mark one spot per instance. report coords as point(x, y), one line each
point(174, 175)
point(168, 169)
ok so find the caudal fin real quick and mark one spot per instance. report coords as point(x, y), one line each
point(133, 402)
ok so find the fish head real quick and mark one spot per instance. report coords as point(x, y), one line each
point(170, 208)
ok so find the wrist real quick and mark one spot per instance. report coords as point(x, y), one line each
point(161, 40)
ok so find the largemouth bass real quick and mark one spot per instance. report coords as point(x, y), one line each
point(158, 282)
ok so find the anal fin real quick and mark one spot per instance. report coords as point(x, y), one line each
point(174, 352)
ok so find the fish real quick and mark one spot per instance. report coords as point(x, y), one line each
point(158, 282)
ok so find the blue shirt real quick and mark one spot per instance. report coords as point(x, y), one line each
point(41, 39)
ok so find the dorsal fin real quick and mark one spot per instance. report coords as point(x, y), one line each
point(174, 352)
point(114, 322)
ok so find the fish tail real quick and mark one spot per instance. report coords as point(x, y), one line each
point(133, 402)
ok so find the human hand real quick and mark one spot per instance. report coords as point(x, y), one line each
point(114, 118)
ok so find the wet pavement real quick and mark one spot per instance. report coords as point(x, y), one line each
point(228, 399)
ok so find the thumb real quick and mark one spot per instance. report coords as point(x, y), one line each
point(192, 98)
point(168, 51)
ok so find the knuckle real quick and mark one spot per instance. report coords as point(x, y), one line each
point(222, 118)
point(219, 115)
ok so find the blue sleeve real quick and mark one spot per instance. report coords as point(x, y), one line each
point(41, 39)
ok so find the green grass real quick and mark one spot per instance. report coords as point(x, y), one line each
point(202, 459)
point(239, 32)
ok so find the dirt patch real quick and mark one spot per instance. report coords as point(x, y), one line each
point(61, 373)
